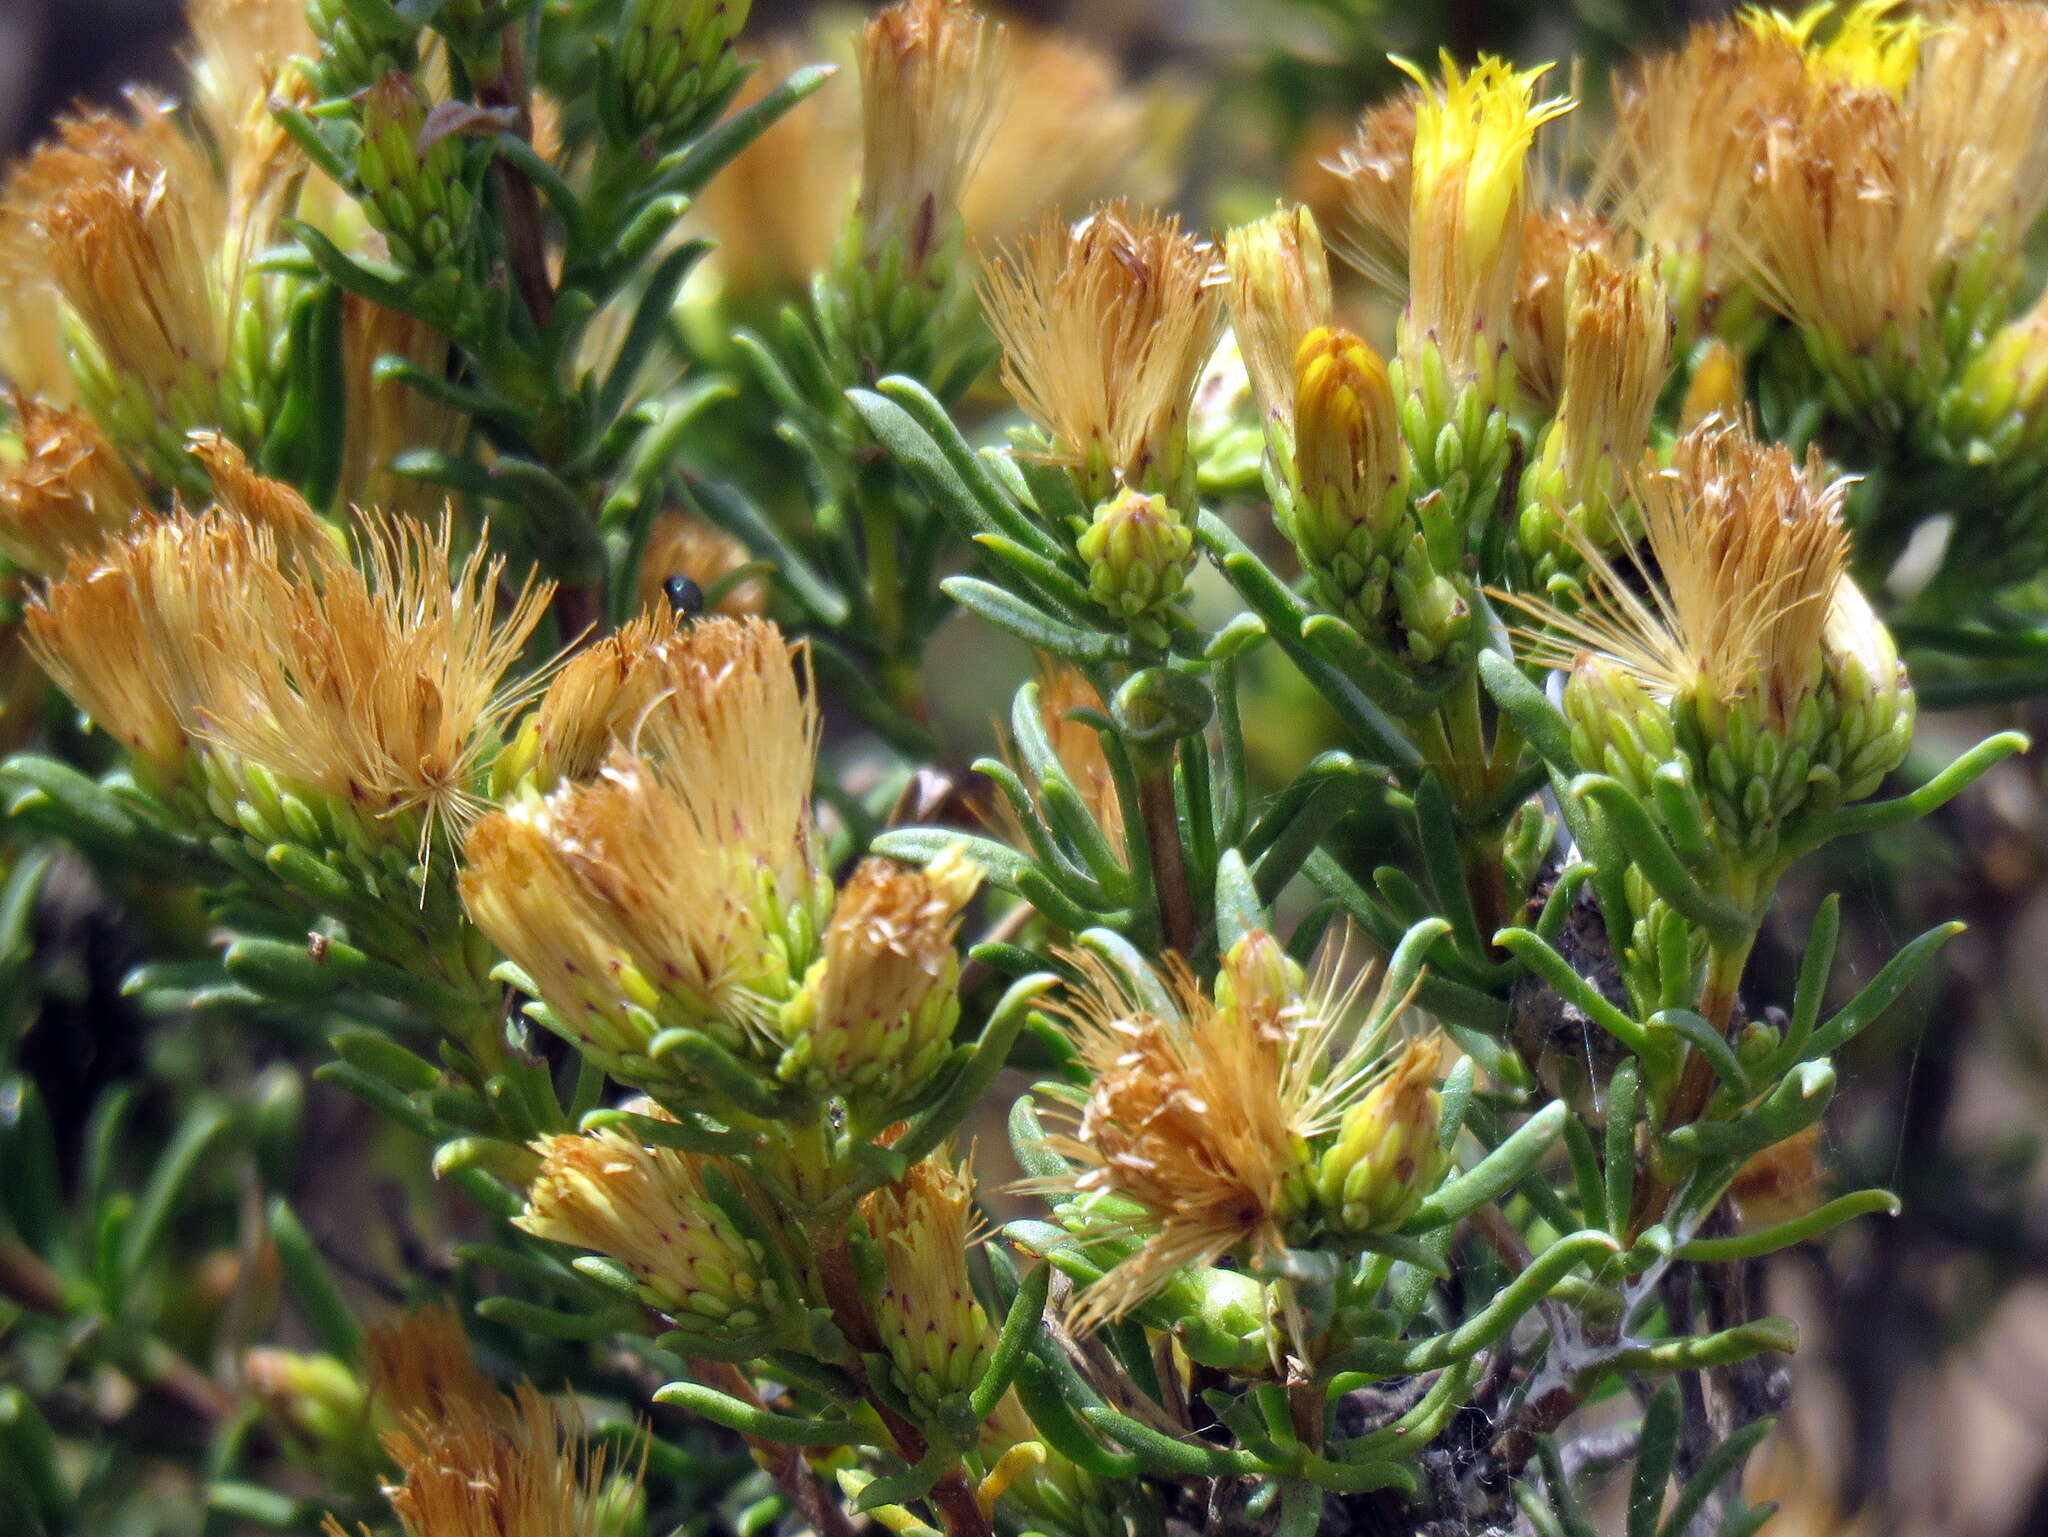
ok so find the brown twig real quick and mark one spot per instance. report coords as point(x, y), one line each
point(785, 1464)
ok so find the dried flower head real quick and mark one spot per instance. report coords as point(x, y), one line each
point(133, 631)
point(650, 1209)
point(1195, 1132)
point(1748, 547)
point(678, 883)
point(264, 503)
point(929, 75)
point(1617, 351)
point(239, 49)
point(1780, 1184)
point(1552, 238)
point(1376, 172)
point(524, 1473)
point(1105, 325)
point(383, 418)
point(1062, 689)
point(423, 1366)
point(1473, 133)
point(876, 1013)
point(383, 688)
point(68, 491)
point(936, 1334)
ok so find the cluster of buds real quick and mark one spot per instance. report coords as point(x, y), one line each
point(1105, 325)
point(674, 58)
point(676, 1221)
point(1753, 664)
point(1234, 1124)
point(359, 41)
point(413, 184)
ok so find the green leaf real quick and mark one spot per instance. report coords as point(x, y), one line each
point(1032, 625)
point(1494, 1175)
point(1656, 1451)
point(762, 1424)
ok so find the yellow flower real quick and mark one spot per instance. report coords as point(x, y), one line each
point(1870, 46)
point(1749, 548)
point(1473, 132)
point(649, 1209)
point(877, 1010)
point(1105, 326)
point(1279, 292)
point(1195, 1133)
point(68, 492)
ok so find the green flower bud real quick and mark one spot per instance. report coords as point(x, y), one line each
point(414, 193)
point(1386, 1157)
point(674, 56)
point(1139, 554)
point(358, 43)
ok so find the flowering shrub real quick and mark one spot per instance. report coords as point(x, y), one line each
point(499, 481)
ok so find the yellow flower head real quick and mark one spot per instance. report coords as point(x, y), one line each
point(1749, 547)
point(933, 1328)
point(1347, 434)
point(649, 1209)
point(1195, 1132)
point(1105, 326)
point(679, 881)
point(1869, 47)
point(67, 493)
point(929, 74)
point(1279, 292)
point(1617, 351)
point(1473, 132)
point(877, 1012)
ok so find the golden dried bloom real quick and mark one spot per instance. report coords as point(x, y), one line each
point(682, 544)
point(294, 527)
point(1105, 326)
point(1980, 114)
point(383, 688)
point(129, 217)
point(679, 885)
point(877, 1011)
point(1551, 238)
point(1200, 1118)
point(422, 1365)
point(32, 361)
point(472, 1475)
point(1279, 292)
point(68, 492)
point(239, 47)
point(777, 210)
point(936, 1334)
point(1376, 172)
point(650, 1209)
point(929, 74)
point(133, 631)
point(1066, 134)
point(1749, 548)
point(1617, 351)
point(1473, 133)
point(598, 697)
point(1679, 165)
point(382, 418)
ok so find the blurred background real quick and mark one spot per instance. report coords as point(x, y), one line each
point(1922, 1393)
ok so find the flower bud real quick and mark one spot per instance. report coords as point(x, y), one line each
point(1139, 554)
point(935, 1333)
point(1386, 1157)
point(1870, 704)
point(649, 1208)
point(674, 57)
point(358, 43)
point(414, 192)
point(877, 1011)
point(320, 1407)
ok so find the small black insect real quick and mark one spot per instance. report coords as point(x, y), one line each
point(685, 597)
